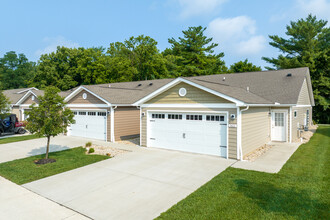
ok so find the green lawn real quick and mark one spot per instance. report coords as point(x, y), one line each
point(18, 138)
point(24, 170)
point(301, 190)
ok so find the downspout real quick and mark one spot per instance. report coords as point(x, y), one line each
point(112, 124)
point(240, 140)
point(139, 107)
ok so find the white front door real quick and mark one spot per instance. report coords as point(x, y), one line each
point(89, 124)
point(279, 125)
point(191, 132)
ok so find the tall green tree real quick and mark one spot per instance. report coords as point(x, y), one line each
point(195, 54)
point(4, 104)
point(307, 44)
point(15, 70)
point(244, 66)
point(140, 59)
point(50, 117)
point(69, 67)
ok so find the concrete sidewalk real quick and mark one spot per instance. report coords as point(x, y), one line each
point(273, 160)
point(17, 202)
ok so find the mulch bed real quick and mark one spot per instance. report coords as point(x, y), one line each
point(44, 161)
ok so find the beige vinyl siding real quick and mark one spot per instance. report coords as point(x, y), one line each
point(194, 95)
point(255, 129)
point(287, 122)
point(232, 132)
point(15, 110)
point(299, 120)
point(29, 101)
point(303, 98)
point(91, 99)
point(126, 122)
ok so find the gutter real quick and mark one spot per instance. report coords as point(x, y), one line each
point(240, 127)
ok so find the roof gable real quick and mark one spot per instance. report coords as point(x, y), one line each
point(304, 98)
point(193, 95)
point(83, 96)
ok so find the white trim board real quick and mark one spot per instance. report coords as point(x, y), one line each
point(25, 96)
point(197, 105)
point(87, 105)
point(29, 89)
point(179, 80)
point(71, 95)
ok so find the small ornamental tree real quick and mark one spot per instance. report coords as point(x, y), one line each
point(4, 104)
point(50, 117)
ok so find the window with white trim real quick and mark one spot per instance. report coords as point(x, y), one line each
point(175, 116)
point(215, 118)
point(92, 113)
point(159, 116)
point(75, 113)
point(194, 117)
point(82, 113)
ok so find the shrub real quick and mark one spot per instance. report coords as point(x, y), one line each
point(88, 144)
point(91, 150)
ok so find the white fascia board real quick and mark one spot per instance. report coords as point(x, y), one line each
point(197, 105)
point(87, 105)
point(29, 89)
point(71, 95)
point(270, 105)
point(302, 106)
point(177, 81)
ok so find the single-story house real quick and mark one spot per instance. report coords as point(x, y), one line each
point(228, 115)
point(106, 111)
point(21, 99)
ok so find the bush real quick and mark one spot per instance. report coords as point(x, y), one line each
point(91, 150)
point(88, 144)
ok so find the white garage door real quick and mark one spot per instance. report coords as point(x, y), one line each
point(89, 124)
point(192, 132)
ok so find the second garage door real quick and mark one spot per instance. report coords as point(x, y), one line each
point(191, 132)
point(89, 124)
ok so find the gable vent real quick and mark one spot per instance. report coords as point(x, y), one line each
point(289, 75)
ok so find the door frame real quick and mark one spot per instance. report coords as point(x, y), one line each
point(286, 125)
point(185, 111)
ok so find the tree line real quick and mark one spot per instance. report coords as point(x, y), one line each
point(192, 54)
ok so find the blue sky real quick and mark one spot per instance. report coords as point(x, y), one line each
point(240, 27)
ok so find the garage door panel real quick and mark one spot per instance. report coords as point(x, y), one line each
point(191, 133)
point(89, 124)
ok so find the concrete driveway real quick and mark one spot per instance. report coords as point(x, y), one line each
point(22, 149)
point(140, 184)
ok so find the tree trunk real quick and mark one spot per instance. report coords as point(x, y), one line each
point(47, 150)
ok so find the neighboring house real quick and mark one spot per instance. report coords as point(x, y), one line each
point(228, 115)
point(21, 99)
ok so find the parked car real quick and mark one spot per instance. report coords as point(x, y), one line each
point(11, 125)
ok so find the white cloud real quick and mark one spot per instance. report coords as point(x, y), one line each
point(53, 43)
point(191, 8)
point(252, 46)
point(227, 28)
point(237, 35)
point(320, 8)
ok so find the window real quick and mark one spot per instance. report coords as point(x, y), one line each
point(82, 113)
point(75, 113)
point(194, 117)
point(279, 119)
point(175, 116)
point(160, 116)
point(295, 114)
point(92, 113)
point(101, 114)
point(215, 118)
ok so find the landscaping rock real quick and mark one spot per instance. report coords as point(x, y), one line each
point(108, 151)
